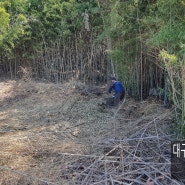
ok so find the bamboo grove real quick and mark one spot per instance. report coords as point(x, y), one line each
point(142, 42)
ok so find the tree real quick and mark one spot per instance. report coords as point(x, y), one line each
point(13, 25)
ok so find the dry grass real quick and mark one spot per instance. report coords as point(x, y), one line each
point(51, 134)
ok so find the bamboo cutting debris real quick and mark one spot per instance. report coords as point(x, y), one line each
point(71, 142)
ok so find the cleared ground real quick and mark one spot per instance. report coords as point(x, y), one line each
point(63, 134)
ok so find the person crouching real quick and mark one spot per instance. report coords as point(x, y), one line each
point(119, 91)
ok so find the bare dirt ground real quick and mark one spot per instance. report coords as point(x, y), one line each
point(54, 134)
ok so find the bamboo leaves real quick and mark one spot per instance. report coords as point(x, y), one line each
point(12, 26)
point(176, 70)
point(4, 20)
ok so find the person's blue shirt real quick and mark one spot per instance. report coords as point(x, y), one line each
point(117, 87)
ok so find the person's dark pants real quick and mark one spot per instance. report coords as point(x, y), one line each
point(122, 95)
point(118, 97)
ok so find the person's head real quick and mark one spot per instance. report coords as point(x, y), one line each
point(113, 79)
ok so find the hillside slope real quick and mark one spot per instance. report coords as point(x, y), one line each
point(55, 134)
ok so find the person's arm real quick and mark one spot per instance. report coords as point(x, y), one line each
point(110, 88)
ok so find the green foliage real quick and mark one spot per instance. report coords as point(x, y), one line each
point(56, 18)
point(176, 69)
point(29, 23)
point(12, 25)
point(171, 35)
point(4, 20)
point(170, 58)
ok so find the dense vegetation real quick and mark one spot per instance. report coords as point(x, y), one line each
point(140, 41)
